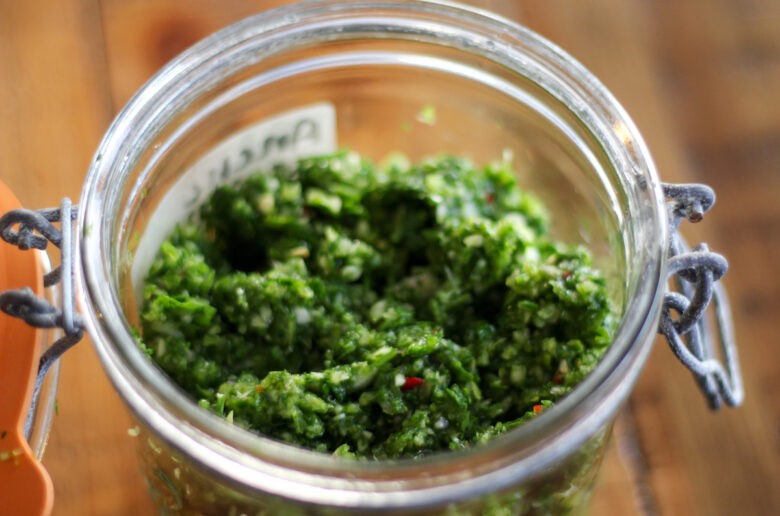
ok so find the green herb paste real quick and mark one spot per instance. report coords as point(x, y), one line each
point(374, 311)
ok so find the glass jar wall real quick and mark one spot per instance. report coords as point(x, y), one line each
point(424, 78)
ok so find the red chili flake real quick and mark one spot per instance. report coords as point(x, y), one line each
point(566, 274)
point(538, 408)
point(490, 197)
point(411, 382)
point(259, 389)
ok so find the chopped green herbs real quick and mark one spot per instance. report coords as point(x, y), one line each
point(374, 311)
point(427, 115)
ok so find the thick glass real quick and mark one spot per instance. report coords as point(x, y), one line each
point(418, 77)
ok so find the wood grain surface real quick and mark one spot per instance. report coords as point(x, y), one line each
point(701, 79)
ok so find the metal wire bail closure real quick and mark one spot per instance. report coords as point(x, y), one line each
point(695, 273)
point(36, 230)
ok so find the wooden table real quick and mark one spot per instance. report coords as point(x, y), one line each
point(701, 78)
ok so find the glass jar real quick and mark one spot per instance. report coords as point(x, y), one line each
point(418, 77)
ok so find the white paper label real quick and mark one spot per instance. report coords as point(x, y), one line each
point(283, 139)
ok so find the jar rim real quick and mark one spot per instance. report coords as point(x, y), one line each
point(234, 454)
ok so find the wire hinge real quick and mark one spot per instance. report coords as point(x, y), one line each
point(695, 274)
point(28, 229)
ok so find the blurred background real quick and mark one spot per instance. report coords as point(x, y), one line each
point(700, 78)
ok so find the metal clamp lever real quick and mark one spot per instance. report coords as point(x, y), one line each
point(36, 230)
point(696, 273)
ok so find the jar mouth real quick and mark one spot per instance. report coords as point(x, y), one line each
point(260, 463)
